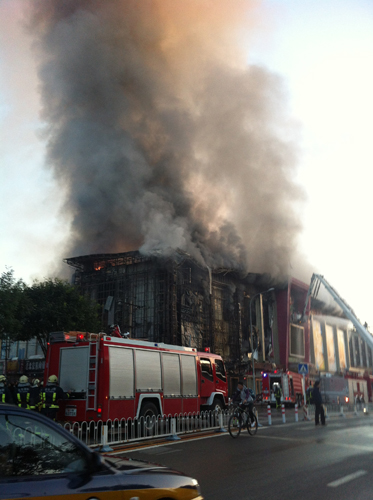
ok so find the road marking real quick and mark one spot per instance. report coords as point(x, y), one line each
point(123, 450)
point(284, 439)
point(348, 478)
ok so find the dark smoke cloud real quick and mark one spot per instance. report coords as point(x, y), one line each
point(162, 136)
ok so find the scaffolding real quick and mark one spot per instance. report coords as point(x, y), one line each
point(172, 300)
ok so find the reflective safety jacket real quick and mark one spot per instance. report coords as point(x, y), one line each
point(50, 395)
point(23, 395)
point(5, 394)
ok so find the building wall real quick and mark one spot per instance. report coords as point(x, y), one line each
point(176, 301)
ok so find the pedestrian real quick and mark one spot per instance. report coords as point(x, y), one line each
point(23, 392)
point(317, 401)
point(6, 395)
point(309, 394)
point(50, 395)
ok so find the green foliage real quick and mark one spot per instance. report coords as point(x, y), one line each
point(14, 304)
point(47, 306)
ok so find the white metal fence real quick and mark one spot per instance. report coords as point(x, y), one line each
point(113, 432)
point(120, 431)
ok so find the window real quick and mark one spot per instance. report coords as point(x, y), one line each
point(29, 447)
point(220, 369)
point(297, 341)
point(206, 368)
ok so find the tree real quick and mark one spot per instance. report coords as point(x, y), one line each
point(58, 306)
point(14, 304)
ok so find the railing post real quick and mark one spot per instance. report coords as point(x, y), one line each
point(104, 439)
point(305, 413)
point(174, 436)
point(221, 425)
point(283, 413)
point(257, 418)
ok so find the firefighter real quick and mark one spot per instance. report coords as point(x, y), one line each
point(115, 331)
point(50, 394)
point(35, 395)
point(278, 395)
point(5, 393)
point(23, 392)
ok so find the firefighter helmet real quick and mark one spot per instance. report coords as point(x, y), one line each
point(2, 378)
point(23, 379)
point(36, 381)
point(53, 379)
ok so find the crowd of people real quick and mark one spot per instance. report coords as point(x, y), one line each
point(33, 395)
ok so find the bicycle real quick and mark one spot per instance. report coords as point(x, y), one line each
point(241, 419)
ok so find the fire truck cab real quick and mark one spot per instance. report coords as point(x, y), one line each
point(113, 378)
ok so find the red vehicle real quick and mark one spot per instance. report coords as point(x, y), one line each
point(290, 383)
point(114, 378)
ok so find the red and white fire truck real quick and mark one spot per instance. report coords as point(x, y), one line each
point(110, 377)
point(290, 383)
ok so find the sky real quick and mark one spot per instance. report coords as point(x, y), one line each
point(323, 52)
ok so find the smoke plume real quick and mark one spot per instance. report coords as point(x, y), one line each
point(161, 134)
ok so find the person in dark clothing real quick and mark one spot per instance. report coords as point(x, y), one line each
point(6, 395)
point(49, 395)
point(317, 401)
point(23, 392)
point(246, 397)
point(35, 395)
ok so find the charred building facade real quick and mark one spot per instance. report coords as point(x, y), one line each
point(178, 301)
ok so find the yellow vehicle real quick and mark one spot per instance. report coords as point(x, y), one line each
point(40, 460)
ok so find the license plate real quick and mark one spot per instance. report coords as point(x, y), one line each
point(70, 412)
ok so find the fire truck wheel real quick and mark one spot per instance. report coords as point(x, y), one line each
point(149, 410)
point(217, 405)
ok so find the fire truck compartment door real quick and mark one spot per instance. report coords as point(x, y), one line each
point(188, 375)
point(171, 374)
point(74, 368)
point(121, 372)
point(148, 370)
point(285, 386)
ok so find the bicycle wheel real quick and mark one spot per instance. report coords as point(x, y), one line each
point(253, 427)
point(234, 425)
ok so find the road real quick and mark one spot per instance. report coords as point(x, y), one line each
point(282, 461)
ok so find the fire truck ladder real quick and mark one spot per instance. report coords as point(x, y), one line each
point(92, 376)
point(348, 311)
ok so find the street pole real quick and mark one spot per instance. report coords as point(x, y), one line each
point(251, 333)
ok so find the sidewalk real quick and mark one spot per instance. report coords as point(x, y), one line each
point(333, 411)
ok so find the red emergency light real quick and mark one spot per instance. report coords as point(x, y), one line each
point(207, 349)
point(275, 371)
point(80, 336)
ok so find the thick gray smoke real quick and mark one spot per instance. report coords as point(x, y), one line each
point(162, 136)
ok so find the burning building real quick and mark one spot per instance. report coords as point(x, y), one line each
point(178, 301)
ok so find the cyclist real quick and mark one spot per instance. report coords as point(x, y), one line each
point(245, 397)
